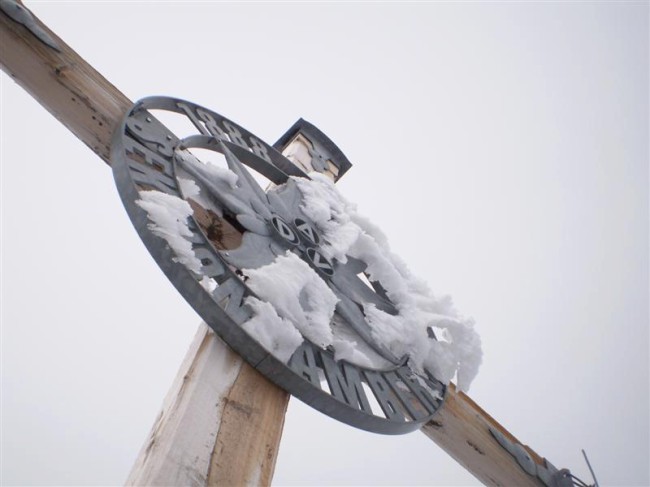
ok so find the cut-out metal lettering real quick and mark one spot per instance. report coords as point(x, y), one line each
point(284, 230)
point(388, 402)
point(428, 394)
point(146, 156)
point(413, 405)
point(303, 363)
point(307, 231)
point(320, 262)
point(344, 381)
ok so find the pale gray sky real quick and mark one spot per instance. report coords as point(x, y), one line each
point(502, 147)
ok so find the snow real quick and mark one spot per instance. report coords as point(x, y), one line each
point(216, 173)
point(277, 335)
point(189, 188)
point(208, 284)
point(295, 302)
point(168, 215)
point(298, 294)
point(457, 350)
point(348, 350)
point(222, 178)
point(323, 204)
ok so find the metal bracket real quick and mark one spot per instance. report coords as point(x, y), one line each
point(21, 15)
point(547, 473)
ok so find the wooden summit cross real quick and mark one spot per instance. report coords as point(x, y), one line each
point(236, 443)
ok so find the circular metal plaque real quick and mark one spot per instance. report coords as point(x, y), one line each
point(240, 226)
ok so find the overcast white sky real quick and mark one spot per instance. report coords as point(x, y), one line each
point(502, 147)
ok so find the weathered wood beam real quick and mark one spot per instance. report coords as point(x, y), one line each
point(67, 86)
point(215, 388)
point(91, 107)
point(221, 421)
point(220, 424)
point(462, 429)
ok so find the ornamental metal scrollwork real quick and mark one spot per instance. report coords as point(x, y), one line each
point(263, 225)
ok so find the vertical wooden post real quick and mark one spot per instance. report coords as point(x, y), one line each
point(221, 422)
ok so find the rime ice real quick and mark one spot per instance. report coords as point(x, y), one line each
point(298, 295)
point(168, 215)
point(278, 335)
point(456, 352)
point(295, 302)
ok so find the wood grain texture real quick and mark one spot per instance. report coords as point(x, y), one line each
point(180, 444)
point(461, 428)
point(254, 410)
point(68, 87)
point(221, 421)
point(220, 424)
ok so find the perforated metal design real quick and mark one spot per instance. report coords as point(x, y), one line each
point(146, 155)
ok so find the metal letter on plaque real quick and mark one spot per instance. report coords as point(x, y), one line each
point(146, 155)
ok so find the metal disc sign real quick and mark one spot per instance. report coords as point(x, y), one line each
point(211, 229)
